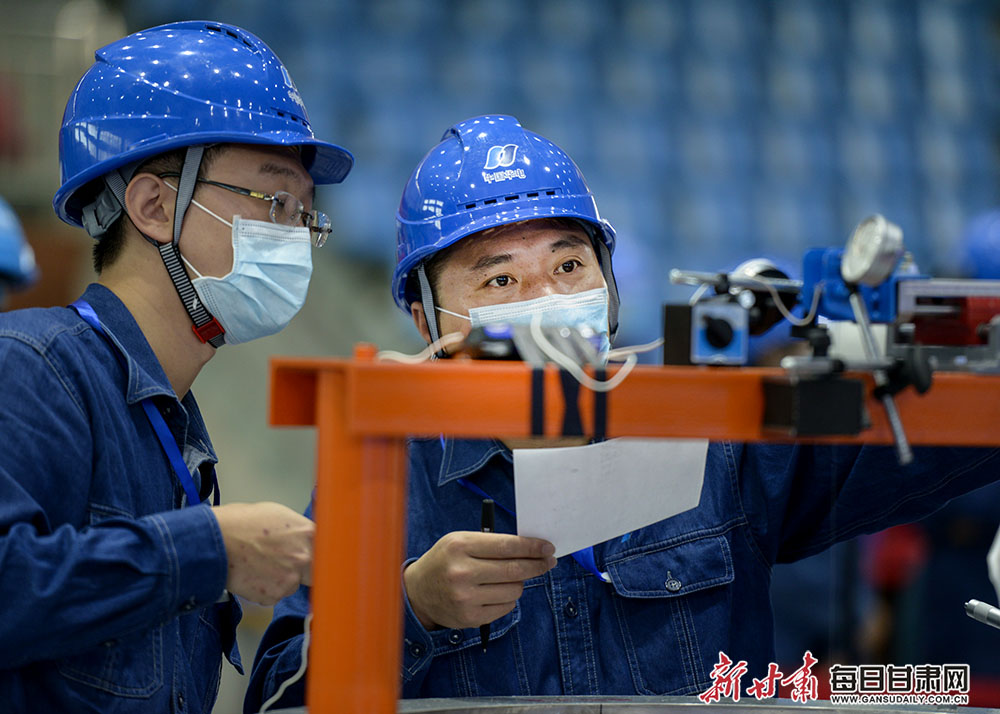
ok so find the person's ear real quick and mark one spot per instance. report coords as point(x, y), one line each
point(420, 320)
point(150, 204)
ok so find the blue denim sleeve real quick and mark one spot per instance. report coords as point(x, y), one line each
point(280, 656)
point(67, 589)
point(802, 499)
point(418, 648)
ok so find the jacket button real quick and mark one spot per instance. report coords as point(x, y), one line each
point(571, 609)
point(673, 585)
point(180, 701)
point(417, 650)
point(455, 636)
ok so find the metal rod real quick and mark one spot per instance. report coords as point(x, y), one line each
point(696, 277)
point(903, 450)
point(817, 366)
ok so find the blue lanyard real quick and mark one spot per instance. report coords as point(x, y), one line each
point(584, 557)
point(156, 420)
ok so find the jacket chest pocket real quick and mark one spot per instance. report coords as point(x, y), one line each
point(673, 609)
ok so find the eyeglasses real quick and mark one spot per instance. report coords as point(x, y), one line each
point(286, 209)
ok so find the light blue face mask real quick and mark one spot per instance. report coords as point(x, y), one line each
point(268, 283)
point(586, 311)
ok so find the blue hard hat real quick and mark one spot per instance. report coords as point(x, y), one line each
point(487, 172)
point(17, 260)
point(981, 246)
point(182, 84)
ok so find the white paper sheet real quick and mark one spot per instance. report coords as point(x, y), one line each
point(580, 496)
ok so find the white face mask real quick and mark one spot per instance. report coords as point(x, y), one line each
point(267, 285)
point(586, 311)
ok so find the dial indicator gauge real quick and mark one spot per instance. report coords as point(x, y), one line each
point(872, 252)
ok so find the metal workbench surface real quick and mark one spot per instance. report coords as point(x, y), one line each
point(642, 705)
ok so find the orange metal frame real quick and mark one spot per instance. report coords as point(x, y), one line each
point(363, 410)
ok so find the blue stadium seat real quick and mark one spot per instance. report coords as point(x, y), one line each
point(714, 149)
point(798, 89)
point(949, 94)
point(880, 30)
point(651, 26)
point(637, 80)
point(790, 218)
point(803, 153)
point(573, 24)
point(719, 88)
point(807, 29)
point(725, 27)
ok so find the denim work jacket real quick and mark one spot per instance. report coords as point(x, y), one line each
point(681, 590)
point(109, 585)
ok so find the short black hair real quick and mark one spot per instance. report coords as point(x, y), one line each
point(109, 247)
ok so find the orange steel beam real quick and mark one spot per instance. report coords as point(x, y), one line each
point(486, 399)
point(360, 511)
point(363, 410)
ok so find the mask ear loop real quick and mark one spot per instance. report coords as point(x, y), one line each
point(430, 313)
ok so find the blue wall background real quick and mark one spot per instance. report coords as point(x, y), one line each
point(710, 130)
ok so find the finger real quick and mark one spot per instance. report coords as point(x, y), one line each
point(515, 570)
point(489, 613)
point(505, 545)
point(499, 593)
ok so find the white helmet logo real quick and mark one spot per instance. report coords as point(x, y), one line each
point(500, 156)
point(293, 92)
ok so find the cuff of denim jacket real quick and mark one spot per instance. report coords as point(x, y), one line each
point(418, 647)
point(192, 538)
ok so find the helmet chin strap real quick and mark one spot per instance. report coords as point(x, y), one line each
point(604, 259)
point(206, 328)
point(609, 277)
point(430, 313)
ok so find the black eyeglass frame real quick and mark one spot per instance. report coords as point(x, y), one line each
point(317, 222)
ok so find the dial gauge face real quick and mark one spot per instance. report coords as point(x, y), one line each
point(872, 252)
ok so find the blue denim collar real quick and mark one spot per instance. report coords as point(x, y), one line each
point(145, 375)
point(461, 457)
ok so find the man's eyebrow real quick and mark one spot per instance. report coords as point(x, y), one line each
point(278, 170)
point(567, 241)
point(488, 261)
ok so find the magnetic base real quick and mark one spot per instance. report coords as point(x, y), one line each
point(814, 407)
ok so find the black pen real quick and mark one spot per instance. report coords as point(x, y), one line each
point(487, 525)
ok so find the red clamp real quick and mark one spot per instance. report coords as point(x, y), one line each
point(209, 330)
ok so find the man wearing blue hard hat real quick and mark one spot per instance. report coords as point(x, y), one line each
point(497, 225)
point(187, 154)
point(17, 260)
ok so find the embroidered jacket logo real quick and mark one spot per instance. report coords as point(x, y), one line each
point(500, 156)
